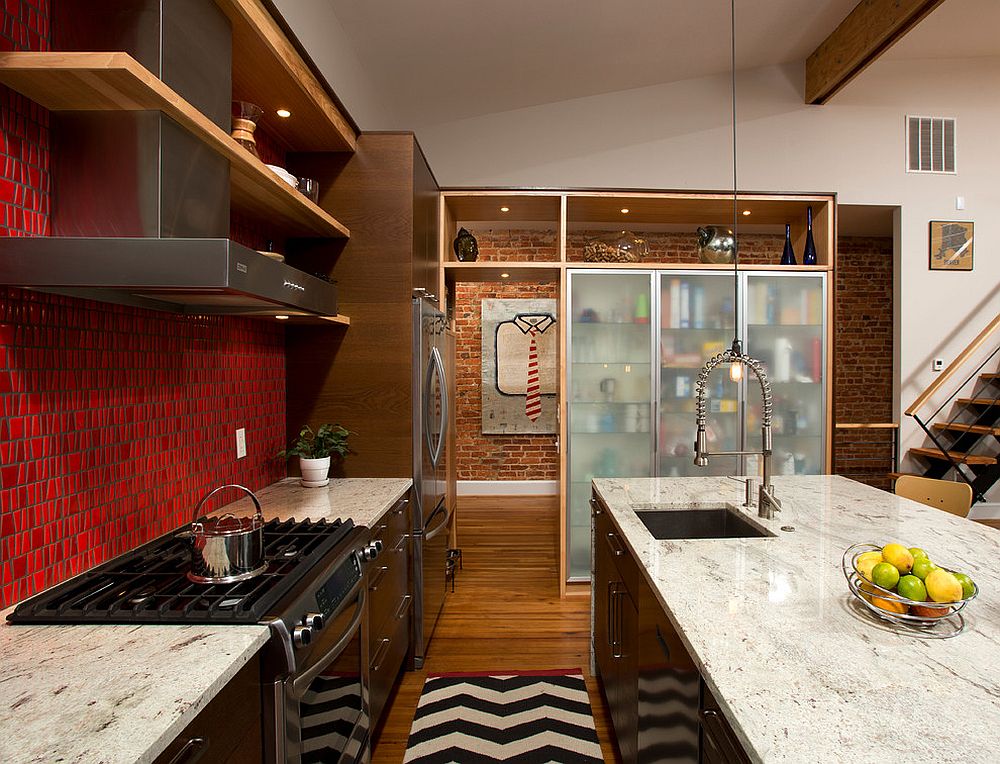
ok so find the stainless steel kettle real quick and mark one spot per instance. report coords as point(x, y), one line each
point(227, 548)
point(716, 245)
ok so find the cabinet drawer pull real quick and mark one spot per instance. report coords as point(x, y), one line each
point(716, 727)
point(374, 584)
point(383, 648)
point(400, 507)
point(404, 605)
point(595, 507)
point(616, 545)
point(192, 751)
point(401, 544)
point(663, 643)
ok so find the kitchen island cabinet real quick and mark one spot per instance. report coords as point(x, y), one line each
point(789, 669)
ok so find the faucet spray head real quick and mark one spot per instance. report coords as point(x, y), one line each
point(701, 448)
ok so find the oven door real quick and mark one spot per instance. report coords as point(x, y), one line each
point(326, 713)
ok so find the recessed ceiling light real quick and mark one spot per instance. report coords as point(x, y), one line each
point(624, 210)
point(282, 318)
point(746, 212)
point(505, 209)
point(505, 275)
point(283, 113)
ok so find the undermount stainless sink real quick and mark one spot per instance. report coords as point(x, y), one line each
point(708, 523)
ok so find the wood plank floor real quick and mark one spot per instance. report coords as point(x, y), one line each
point(505, 614)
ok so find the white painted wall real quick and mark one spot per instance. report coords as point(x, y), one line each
point(677, 136)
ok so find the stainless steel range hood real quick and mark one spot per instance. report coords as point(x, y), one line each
point(194, 276)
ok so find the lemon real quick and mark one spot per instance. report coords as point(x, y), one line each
point(866, 562)
point(968, 588)
point(922, 567)
point(912, 588)
point(885, 575)
point(917, 552)
point(942, 586)
point(899, 556)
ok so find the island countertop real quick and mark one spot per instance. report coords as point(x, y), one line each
point(121, 694)
point(803, 673)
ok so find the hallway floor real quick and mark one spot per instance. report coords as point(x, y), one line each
point(505, 614)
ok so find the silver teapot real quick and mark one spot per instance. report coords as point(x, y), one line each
point(716, 245)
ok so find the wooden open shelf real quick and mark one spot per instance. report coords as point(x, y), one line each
point(116, 81)
point(492, 271)
point(485, 205)
point(268, 71)
point(337, 320)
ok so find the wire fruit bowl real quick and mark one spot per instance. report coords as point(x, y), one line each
point(949, 623)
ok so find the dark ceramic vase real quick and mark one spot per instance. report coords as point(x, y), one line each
point(466, 246)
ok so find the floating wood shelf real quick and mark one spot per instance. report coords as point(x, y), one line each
point(268, 71)
point(116, 81)
point(337, 320)
point(492, 271)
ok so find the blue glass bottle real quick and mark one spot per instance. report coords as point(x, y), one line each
point(809, 253)
point(788, 255)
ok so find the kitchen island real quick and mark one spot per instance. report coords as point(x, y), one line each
point(800, 671)
point(119, 694)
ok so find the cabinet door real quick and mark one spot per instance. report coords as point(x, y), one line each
point(786, 329)
point(696, 322)
point(610, 343)
point(626, 710)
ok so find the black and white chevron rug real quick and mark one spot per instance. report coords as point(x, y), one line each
point(531, 717)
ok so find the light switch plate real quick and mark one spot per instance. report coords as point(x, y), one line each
point(241, 443)
point(937, 364)
point(959, 202)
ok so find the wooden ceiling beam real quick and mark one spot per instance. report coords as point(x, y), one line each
point(869, 30)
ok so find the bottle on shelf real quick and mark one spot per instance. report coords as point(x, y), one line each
point(809, 253)
point(788, 255)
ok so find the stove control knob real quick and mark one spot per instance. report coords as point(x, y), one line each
point(314, 621)
point(371, 551)
point(302, 636)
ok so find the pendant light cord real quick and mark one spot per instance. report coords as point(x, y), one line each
point(736, 248)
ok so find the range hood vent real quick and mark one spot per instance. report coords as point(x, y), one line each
point(191, 276)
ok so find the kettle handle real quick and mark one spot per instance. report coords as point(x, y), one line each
point(210, 494)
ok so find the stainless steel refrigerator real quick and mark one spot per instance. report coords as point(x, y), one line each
point(431, 514)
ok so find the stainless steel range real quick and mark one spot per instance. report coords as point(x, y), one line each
point(312, 598)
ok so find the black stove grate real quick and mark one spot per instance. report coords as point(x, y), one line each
point(150, 584)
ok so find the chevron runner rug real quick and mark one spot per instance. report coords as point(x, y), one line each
point(531, 717)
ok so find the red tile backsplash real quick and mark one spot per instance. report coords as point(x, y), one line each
point(114, 421)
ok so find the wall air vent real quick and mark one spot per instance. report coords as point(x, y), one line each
point(930, 145)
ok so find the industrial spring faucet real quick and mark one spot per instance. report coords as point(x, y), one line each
point(768, 504)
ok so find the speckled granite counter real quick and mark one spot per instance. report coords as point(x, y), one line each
point(115, 694)
point(363, 500)
point(803, 674)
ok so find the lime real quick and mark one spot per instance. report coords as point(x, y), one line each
point(967, 586)
point(912, 588)
point(885, 575)
point(922, 567)
point(917, 552)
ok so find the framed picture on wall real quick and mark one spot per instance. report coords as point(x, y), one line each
point(951, 245)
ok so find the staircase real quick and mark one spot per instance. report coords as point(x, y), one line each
point(964, 433)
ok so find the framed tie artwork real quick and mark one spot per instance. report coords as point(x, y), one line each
point(520, 375)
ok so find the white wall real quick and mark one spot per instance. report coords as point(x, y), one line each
point(677, 135)
point(320, 32)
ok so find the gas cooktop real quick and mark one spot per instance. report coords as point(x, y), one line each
point(150, 585)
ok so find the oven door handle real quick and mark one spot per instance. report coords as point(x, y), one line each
point(301, 683)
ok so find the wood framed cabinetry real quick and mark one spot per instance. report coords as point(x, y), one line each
point(562, 220)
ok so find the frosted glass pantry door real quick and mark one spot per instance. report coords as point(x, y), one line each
point(696, 322)
point(785, 320)
point(609, 381)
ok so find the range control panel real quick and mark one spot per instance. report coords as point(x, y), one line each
point(338, 586)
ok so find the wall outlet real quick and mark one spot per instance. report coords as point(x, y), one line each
point(937, 364)
point(241, 443)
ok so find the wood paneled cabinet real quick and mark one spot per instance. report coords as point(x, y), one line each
point(661, 709)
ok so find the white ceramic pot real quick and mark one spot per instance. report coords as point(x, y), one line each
point(315, 472)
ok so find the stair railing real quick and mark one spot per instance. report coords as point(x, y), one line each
point(960, 360)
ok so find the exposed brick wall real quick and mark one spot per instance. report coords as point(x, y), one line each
point(863, 338)
point(682, 247)
point(114, 421)
point(493, 457)
point(503, 244)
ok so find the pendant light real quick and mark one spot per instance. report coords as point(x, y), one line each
point(736, 367)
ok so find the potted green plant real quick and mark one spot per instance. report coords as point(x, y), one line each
point(315, 450)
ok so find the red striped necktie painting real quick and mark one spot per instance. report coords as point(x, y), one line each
point(533, 399)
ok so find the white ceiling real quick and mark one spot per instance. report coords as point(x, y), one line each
point(436, 61)
point(443, 60)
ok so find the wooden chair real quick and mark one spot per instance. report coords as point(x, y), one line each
point(948, 495)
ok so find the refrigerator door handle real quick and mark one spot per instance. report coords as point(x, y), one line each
point(436, 366)
point(429, 535)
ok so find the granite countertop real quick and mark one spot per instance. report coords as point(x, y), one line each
point(802, 672)
point(115, 694)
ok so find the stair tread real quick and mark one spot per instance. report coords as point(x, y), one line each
point(989, 377)
point(979, 401)
point(958, 456)
point(979, 429)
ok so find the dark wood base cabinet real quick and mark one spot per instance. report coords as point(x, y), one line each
point(660, 708)
point(228, 729)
